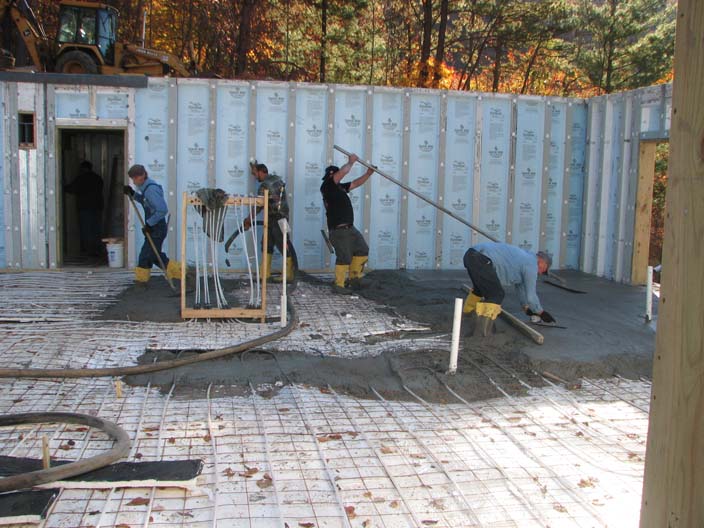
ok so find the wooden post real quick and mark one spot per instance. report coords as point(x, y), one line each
point(644, 207)
point(184, 263)
point(673, 490)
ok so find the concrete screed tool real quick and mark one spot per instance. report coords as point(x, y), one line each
point(151, 243)
point(447, 212)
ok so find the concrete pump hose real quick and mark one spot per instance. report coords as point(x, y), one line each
point(64, 471)
point(154, 367)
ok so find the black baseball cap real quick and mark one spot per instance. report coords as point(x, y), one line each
point(332, 169)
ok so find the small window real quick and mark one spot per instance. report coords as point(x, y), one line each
point(26, 129)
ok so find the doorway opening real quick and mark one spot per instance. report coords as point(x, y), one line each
point(92, 206)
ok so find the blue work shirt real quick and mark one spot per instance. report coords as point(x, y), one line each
point(151, 195)
point(514, 267)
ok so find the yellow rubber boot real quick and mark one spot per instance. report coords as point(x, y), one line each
point(173, 270)
point(357, 267)
point(486, 315)
point(266, 276)
point(341, 271)
point(141, 275)
point(470, 303)
point(356, 272)
point(290, 272)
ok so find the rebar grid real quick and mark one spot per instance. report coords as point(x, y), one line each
point(311, 457)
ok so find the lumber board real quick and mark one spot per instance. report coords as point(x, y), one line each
point(644, 207)
point(674, 466)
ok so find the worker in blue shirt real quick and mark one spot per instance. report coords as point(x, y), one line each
point(151, 196)
point(493, 266)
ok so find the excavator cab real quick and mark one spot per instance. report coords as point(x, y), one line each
point(86, 37)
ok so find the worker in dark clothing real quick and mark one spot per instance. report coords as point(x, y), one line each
point(88, 188)
point(351, 250)
point(151, 196)
point(493, 266)
point(278, 209)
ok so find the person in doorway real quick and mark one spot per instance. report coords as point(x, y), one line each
point(278, 209)
point(151, 196)
point(493, 266)
point(88, 189)
point(351, 250)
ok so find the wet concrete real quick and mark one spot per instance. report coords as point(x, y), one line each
point(605, 335)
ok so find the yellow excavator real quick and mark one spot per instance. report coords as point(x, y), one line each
point(86, 42)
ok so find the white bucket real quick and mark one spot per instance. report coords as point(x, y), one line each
point(115, 254)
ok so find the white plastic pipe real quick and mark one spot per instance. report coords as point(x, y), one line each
point(649, 296)
point(455, 346)
point(283, 224)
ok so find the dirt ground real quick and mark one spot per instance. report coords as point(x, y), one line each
point(604, 336)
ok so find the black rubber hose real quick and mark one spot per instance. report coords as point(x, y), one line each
point(42, 476)
point(153, 367)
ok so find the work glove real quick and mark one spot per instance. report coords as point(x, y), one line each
point(546, 317)
point(147, 230)
point(129, 191)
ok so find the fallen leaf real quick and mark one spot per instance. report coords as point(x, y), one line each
point(185, 514)
point(350, 512)
point(587, 483)
point(306, 524)
point(139, 501)
point(559, 507)
point(228, 472)
point(429, 523)
point(265, 481)
point(368, 494)
point(249, 472)
point(207, 438)
point(386, 450)
point(284, 409)
point(394, 504)
point(172, 440)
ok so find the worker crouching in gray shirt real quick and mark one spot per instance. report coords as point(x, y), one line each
point(493, 266)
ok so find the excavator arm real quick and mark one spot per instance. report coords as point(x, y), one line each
point(29, 29)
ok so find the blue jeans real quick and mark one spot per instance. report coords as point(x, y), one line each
point(147, 258)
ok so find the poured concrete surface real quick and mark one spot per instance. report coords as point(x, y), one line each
point(404, 445)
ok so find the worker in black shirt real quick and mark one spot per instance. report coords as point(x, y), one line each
point(351, 250)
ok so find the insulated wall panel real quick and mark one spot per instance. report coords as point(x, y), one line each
point(3, 159)
point(496, 144)
point(272, 127)
point(592, 186)
point(151, 149)
point(72, 104)
point(530, 131)
point(609, 192)
point(309, 165)
point(423, 166)
point(459, 182)
point(350, 133)
point(232, 172)
point(387, 153)
point(111, 105)
point(554, 209)
point(577, 138)
point(193, 149)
